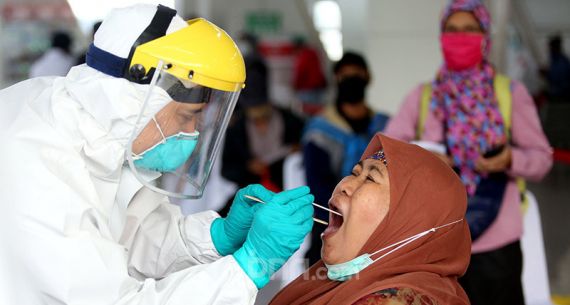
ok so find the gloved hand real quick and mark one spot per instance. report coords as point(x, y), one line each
point(228, 234)
point(278, 229)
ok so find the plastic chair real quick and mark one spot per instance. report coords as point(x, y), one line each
point(536, 287)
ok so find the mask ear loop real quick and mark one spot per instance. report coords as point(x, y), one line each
point(139, 156)
point(409, 240)
point(153, 81)
point(159, 129)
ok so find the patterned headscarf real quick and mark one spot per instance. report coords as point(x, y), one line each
point(465, 102)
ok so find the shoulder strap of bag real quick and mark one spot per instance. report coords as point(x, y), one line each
point(424, 109)
point(502, 86)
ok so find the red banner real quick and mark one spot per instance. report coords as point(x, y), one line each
point(36, 11)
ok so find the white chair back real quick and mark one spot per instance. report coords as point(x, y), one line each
point(535, 272)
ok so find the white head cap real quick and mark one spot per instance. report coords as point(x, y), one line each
point(123, 26)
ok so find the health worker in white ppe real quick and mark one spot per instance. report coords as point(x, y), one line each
point(84, 159)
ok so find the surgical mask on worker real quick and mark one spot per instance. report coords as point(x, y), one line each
point(169, 154)
point(462, 50)
point(344, 271)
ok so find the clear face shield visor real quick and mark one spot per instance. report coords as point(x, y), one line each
point(178, 134)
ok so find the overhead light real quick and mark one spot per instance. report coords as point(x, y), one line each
point(326, 15)
point(328, 22)
point(332, 41)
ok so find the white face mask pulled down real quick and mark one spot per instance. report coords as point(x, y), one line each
point(344, 271)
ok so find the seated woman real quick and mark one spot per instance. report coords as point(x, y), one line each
point(401, 238)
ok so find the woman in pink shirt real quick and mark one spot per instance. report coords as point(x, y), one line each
point(464, 121)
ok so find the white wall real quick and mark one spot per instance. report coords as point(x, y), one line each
point(1, 55)
point(549, 17)
point(402, 47)
point(354, 25)
point(231, 14)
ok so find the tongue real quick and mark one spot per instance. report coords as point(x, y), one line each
point(330, 229)
point(335, 222)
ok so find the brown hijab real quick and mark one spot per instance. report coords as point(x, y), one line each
point(424, 193)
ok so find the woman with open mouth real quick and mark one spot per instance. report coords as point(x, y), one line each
point(399, 236)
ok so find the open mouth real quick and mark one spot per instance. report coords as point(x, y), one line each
point(335, 221)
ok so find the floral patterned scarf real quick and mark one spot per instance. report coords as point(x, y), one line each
point(465, 102)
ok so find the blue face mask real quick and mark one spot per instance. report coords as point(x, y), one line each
point(344, 271)
point(169, 154)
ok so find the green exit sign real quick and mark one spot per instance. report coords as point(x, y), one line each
point(263, 22)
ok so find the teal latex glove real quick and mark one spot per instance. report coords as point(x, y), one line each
point(229, 234)
point(278, 229)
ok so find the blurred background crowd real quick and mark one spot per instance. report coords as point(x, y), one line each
point(323, 76)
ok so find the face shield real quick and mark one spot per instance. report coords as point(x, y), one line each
point(178, 134)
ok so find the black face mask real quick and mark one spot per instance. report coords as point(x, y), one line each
point(351, 91)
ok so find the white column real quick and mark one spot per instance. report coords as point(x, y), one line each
point(402, 47)
point(526, 28)
point(500, 14)
point(354, 28)
point(204, 8)
point(180, 7)
point(2, 59)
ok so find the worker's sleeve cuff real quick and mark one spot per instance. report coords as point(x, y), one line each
point(195, 230)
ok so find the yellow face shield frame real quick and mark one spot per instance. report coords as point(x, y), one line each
point(202, 53)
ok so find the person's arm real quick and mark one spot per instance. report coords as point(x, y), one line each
point(74, 260)
point(402, 126)
point(160, 240)
point(89, 269)
point(531, 156)
point(65, 240)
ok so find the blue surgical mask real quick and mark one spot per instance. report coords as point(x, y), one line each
point(344, 271)
point(168, 155)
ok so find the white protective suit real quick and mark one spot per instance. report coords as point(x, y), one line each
point(91, 233)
